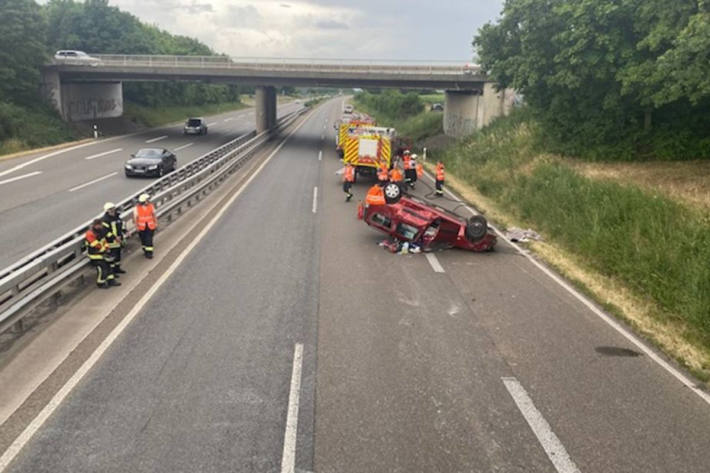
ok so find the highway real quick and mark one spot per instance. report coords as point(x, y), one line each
point(287, 340)
point(44, 195)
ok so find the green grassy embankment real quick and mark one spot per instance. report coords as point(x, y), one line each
point(156, 116)
point(413, 128)
point(641, 253)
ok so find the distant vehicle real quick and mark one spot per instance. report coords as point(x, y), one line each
point(70, 56)
point(348, 109)
point(151, 162)
point(409, 219)
point(437, 107)
point(195, 126)
point(469, 69)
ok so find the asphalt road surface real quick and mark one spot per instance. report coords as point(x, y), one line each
point(455, 362)
point(45, 195)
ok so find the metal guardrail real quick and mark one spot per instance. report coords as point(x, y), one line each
point(275, 64)
point(35, 277)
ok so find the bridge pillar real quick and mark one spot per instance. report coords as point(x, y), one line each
point(265, 99)
point(52, 90)
point(82, 100)
point(461, 110)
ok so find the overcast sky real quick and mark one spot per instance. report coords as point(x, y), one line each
point(371, 29)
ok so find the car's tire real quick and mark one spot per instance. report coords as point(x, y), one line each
point(476, 228)
point(128, 174)
point(393, 192)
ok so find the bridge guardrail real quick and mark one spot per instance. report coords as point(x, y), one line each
point(35, 277)
point(273, 64)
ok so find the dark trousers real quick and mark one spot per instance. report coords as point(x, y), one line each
point(410, 175)
point(147, 240)
point(103, 271)
point(346, 187)
point(439, 187)
point(116, 255)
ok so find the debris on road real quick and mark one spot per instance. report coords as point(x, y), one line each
point(518, 235)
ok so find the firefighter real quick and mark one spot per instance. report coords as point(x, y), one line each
point(348, 179)
point(407, 161)
point(396, 175)
point(382, 175)
point(412, 170)
point(420, 170)
point(100, 254)
point(146, 223)
point(439, 178)
point(114, 227)
point(375, 196)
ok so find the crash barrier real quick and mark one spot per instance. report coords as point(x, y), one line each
point(275, 64)
point(34, 278)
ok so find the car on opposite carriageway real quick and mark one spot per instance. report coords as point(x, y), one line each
point(151, 162)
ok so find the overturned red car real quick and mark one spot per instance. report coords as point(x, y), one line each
point(428, 225)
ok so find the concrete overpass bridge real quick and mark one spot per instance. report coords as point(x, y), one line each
point(85, 90)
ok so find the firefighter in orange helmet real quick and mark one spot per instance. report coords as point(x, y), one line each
point(439, 178)
point(348, 179)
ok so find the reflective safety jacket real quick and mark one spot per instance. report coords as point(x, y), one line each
point(96, 244)
point(144, 216)
point(382, 174)
point(396, 175)
point(349, 174)
point(375, 196)
point(406, 162)
point(440, 172)
point(420, 170)
point(114, 229)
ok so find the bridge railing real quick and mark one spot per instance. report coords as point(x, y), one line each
point(31, 280)
point(276, 64)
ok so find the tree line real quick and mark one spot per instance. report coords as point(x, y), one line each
point(608, 79)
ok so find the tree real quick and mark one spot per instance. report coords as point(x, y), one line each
point(23, 31)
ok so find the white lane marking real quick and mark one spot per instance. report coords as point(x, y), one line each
point(92, 182)
point(153, 140)
point(43, 157)
point(183, 146)
point(105, 153)
point(288, 459)
point(687, 382)
point(54, 403)
point(550, 443)
point(315, 199)
point(320, 155)
point(228, 119)
point(434, 262)
point(17, 178)
point(211, 124)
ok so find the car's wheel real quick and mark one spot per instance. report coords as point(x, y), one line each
point(393, 192)
point(476, 228)
point(127, 174)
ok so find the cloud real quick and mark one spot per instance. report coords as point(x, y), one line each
point(331, 25)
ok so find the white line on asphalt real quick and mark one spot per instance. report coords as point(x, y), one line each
point(550, 443)
point(228, 119)
point(213, 123)
point(288, 459)
point(54, 403)
point(434, 262)
point(92, 182)
point(183, 146)
point(43, 157)
point(315, 199)
point(320, 155)
point(689, 383)
point(105, 153)
point(153, 140)
point(17, 178)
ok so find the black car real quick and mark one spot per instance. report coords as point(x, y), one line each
point(195, 126)
point(151, 162)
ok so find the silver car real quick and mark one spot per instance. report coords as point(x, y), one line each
point(79, 58)
point(195, 126)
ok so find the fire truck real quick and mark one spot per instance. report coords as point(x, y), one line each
point(367, 147)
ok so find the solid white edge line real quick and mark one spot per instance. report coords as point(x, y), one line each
point(153, 140)
point(631, 337)
point(288, 458)
point(17, 178)
point(541, 428)
point(56, 400)
point(105, 153)
point(320, 155)
point(434, 262)
point(183, 146)
point(92, 182)
point(49, 155)
point(315, 199)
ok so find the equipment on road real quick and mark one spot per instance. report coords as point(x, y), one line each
point(406, 218)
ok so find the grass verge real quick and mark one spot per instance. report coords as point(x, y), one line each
point(639, 253)
point(413, 128)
